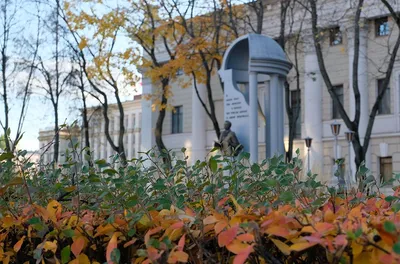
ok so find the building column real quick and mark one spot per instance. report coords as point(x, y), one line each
point(148, 118)
point(313, 111)
point(103, 145)
point(199, 124)
point(348, 27)
point(130, 135)
point(253, 86)
point(116, 131)
point(96, 145)
point(137, 129)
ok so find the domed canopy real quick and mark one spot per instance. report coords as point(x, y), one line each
point(256, 53)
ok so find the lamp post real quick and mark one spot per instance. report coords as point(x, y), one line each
point(308, 141)
point(350, 137)
point(335, 127)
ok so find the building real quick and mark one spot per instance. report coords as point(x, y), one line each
point(188, 126)
point(132, 139)
point(68, 135)
point(100, 147)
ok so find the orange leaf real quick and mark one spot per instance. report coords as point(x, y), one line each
point(151, 232)
point(209, 220)
point(178, 256)
point(220, 226)
point(77, 246)
point(246, 237)
point(236, 246)
point(324, 227)
point(153, 253)
point(285, 249)
point(242, 257)
point(277, 231)
point(301, 246)
point(181, 243)
point(127, 244)
point(18, 245)
point(226, 237)
point(112, 244)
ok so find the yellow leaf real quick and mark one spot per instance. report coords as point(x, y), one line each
point(301, 246)
point(83, 43)
point(50, 246)
point(18, 245)
point(54, 209)
point(285, 249)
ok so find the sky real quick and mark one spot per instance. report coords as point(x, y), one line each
point(40, 114)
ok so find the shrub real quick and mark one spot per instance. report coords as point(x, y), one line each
point(219, 211)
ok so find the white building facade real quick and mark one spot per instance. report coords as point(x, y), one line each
point(99, 146)
point(188, 126)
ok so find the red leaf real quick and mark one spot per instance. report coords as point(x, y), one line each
point(242, 257)
point(226, 237)
point(177, 225)
point(112, 244)
point(77, 246)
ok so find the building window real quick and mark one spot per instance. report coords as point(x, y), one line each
point(177, 120)
point(384, 106)
point(386, 168)
point(335, 36)
point(338, 90)
point(295, 103)
point(381, 26)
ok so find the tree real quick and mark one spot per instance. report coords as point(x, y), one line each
point(54, 73)
point(152, 30)
point(18, 58)
point(96, 33)
point(353, 124)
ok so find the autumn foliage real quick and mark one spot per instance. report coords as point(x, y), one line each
point(219, 211)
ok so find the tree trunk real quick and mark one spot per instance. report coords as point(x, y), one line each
point(159, 125)
point(56, 134)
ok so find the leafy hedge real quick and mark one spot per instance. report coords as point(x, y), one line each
point(219, 211)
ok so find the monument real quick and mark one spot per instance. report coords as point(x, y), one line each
point(250, 60)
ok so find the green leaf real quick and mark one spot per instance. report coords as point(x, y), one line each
point(69, 232)
point(286, 196)
point(34, 221)
point(396, 248)
point(110, 171)
point(358, 233)
point(390, 199)
point(160, 184)
point(213, 165)
point(255, 168)
point(389, 227)
point(183, 150)
point(6, 155)
point(116, 255)
point(65, 254)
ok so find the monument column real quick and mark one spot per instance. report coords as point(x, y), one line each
point(130, 135)
point(253, 86)
point(275, 85)
point(199, 123)
point(348, 27)
point(313, 111)
point(148, 118)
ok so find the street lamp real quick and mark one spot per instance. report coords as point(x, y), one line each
point(335, 127)
point(350, 137)
point(308, 141)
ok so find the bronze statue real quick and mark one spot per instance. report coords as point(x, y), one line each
point(228, 142)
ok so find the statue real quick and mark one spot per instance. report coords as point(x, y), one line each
point(228, 142)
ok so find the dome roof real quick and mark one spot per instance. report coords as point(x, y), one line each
point(258, 53)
